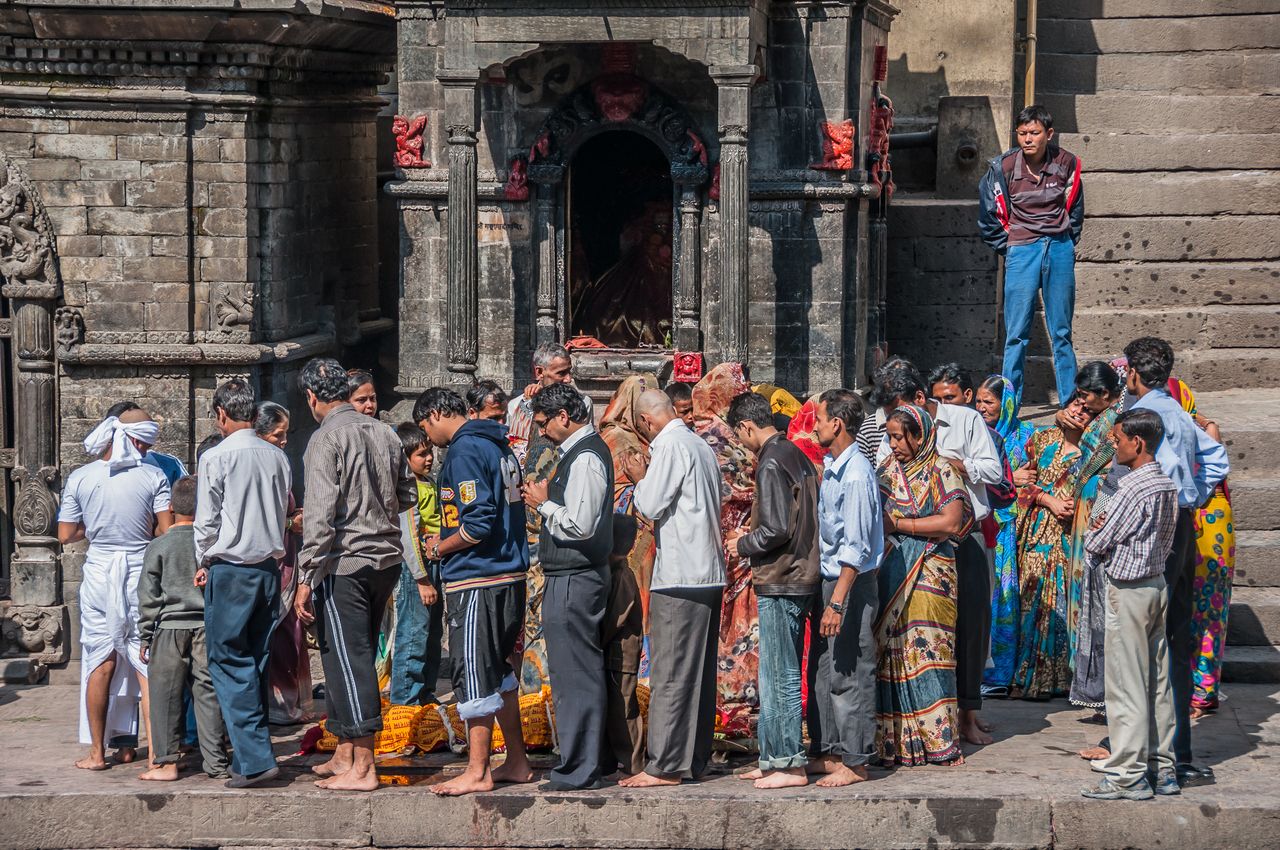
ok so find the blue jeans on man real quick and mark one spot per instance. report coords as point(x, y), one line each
point(782, 626)
point(1048, 266)
point(415, 654)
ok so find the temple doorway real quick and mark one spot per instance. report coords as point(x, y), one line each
point(620, 215)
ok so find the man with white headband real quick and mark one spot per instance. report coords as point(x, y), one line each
point(118, 503)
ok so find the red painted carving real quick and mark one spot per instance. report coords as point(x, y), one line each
point(618, 96)
point(517, 188)
point(686, 367)
point(409, 142)
point(714, 192)
point(878, 143)
point(540, 148)
point(698, 147)
point(618, 57)
point(837, 146)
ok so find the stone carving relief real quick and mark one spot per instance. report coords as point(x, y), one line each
point(517, 186)
point(28, 257)
point(68, 329)
point(233, 306)
point(878, 163)
point(35, 508)
point(546, 75)
point(409, 141)
point(837, 146)
point(34, 632)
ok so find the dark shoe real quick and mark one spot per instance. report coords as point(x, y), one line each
point(1190, 776)
point(253, 779)
point(1165, 782)
point(556, 785)
point(1108, 790)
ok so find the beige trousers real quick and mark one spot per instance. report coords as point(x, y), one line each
point(1139, 700)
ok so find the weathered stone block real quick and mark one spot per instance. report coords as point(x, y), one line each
point(17, 144)
point(226, 222)
point(1171, 113)
point(224, 269)
point(109, 169)
point(126, 246)
point(113, 316)
point(78, 146)
point(91, 268)
point(93, 193)
point(1122, 286)
point(52, 169)
point(80, 246)
point(1161, 35)
point(164, 171)
point(1175, 238)
point(69, 220)
point(205, 149)
point(140, 222)
point(1200, 194)
point(220, 172)
point(221, 246)
point(156, 269)
point(166, 316)
point(150, 193)
point(229, 194)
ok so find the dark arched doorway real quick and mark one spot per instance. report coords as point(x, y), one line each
point(620, 246)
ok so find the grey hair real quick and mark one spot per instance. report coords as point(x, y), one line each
point(547, 352)
point(268, 417)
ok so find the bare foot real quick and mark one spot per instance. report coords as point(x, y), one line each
point(955, 762)
point(92, 762)
point(513, 774)
point(823, 764)
point(751, 775)
point(782, 779)
point(161, 773)
point(351, 781)
point(648, 780)
point(842, 776)
point(467, 783)
point(125, 755)
point(332, 767)
point(1197, 712)
point(982, 724)
point(1094, 753)
point(971, 732)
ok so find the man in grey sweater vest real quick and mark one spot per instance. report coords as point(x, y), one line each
point(576, 506)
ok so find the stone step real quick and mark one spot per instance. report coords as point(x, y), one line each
point(1125, 286)
point(1119, 194)
point(1257, 559)
point(1195, 238)
point(1244, 368)
point(1256, 664)
point(1250, 425)
point(1256, 503)
point(1184, 327)
point(1150, 8)
point(1212, 72)
point(1254, 618)
point(1158, 35)
point(1163, 113)
point(1135, 151)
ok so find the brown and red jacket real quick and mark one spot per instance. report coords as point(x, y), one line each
point(1014, 211)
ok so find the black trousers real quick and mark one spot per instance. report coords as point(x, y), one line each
point(573, 607)
point(348, 616)
point(973, 621)
point(1179, 576)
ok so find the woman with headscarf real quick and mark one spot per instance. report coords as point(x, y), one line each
point(926, 512)
point(739, 652)
point(1215, 569)
point(997, 401)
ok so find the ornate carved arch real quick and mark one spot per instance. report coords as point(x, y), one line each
point(32, 285)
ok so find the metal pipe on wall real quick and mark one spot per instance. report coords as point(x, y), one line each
point(1029, 93)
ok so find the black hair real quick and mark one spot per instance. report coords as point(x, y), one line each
point(485, 392)
point(897, 380)
point(1152, 359)
point(121, 407)
point(907, 421)
point(234, 398)
point(749, 407)
point(324, 378)
point(438, 400)
point(268, 417)
point(182, 497)
point(951, 373)
point(549, 401)
point(1035, 113)
point(357, 378)
point(411, 437)
point(844, 405)
point(207, 443)
point(994, 384)
point(624, 535)
point(1143, 424)
point(678, 391)
point(1099, 378)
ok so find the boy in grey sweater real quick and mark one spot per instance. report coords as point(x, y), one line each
point(171, 629)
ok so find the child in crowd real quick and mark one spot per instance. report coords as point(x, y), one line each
point(623, 634)
point(171, 630)
point(1132, 541)
point(415, 657)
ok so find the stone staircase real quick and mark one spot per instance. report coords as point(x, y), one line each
point(1173, 107)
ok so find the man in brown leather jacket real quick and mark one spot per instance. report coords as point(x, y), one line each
point(782, 546)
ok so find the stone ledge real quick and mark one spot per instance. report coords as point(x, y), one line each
point(215, 354)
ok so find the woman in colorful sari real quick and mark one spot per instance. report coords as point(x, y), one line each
point(926, 511)
point(997, 401)
point(1215, 569)
point(739, 652)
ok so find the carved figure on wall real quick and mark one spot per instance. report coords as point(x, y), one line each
point(878, 163)
point(546, 75)
point(27, 253)
point(34, 509)
point(232, 306)
point(409, 141)
point(28, 630)
point(68, 329)
point(618, 96)
point(517, 188)
point(837, 145)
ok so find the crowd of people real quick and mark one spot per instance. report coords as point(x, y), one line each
point(863, 570)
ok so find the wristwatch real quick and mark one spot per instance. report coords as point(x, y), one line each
point(838, 607)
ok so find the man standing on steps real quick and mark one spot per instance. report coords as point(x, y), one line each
point(1031, 211)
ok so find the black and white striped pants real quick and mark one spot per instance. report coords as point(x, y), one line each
point(349, 612)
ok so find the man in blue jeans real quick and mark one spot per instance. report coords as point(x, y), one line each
point(1031, 211)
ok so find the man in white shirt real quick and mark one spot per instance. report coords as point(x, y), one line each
point(576, 507)
point(843, 653)
point(116, 502)
point(678, 488)
point(964, 440)
point(239, 538)
point(172, 467)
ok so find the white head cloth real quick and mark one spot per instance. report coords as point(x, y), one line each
point(111, 431)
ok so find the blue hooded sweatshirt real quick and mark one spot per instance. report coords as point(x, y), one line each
point(480, 499)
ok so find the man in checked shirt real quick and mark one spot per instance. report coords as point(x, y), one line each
point(1133, 540)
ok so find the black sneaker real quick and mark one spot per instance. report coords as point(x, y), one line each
point(1190, 776)
point(252, 779)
